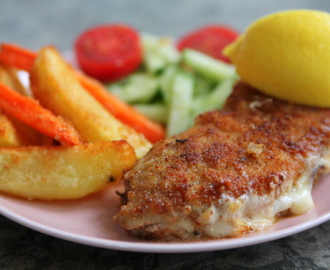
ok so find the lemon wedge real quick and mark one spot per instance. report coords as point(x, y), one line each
point(287, 55)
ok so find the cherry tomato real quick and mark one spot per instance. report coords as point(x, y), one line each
point(210, 40)
point(109, 52)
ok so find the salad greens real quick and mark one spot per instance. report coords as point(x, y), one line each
point(173, 87)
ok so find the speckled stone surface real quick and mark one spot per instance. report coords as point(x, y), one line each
point(35, 23)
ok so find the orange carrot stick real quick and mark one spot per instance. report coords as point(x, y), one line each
point(121, 110)
point(31, 113)
point(16, 56)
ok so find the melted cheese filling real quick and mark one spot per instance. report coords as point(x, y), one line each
point(234, 216)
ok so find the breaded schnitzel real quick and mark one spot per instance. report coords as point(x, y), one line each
point(233, 172)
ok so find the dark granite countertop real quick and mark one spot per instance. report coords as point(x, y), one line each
point(36, 23)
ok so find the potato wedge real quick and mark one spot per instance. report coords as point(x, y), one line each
point(63, 172)
point(57, 88)
point(26, 135)
point(8, 76)
point(9, 135)
point(13, 132)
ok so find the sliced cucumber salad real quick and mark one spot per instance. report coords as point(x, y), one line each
point(173, 87)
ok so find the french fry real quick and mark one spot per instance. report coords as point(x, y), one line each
point(55, 85)
point(63, 172)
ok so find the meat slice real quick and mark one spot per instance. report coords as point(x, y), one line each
point(234, 172)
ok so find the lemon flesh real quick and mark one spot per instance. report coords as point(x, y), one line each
point(287, 55)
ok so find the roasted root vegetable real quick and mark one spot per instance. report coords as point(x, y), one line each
point(95, 147)
point(8, 76)
point(11, 54)
point(55, 85)
point(14, 132)
point(16, 56)
point(9, 135)
point(125, 113)
point(30, 112)
point(63, 172)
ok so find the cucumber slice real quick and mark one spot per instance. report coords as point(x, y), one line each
point(168, 51)
point(157, 111)
point(203, 85)
point(166, 82)
point(206, 65)
point(153, 62)
point(181, 94)
point(158, 52)
point(215, 99)
point(137, 88)
point(172, 87)
point(163, 46)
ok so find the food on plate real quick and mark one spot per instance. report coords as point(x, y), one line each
point(8, 76)
point(63, 172)
point(65, 163)
point(13, 132)
point(286, 57)
point(30, 112)
point(109, 52)
point(173, 87)
point(57, 88)
point(12, 55)
point(26, 135)
point(230, 174)
point(74, 109)
point(240, 168)
point(9, 135)
point(168, 84)
point(152, 130)
point(210, 39)
point(16, 56)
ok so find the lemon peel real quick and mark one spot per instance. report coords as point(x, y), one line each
point(287, 55)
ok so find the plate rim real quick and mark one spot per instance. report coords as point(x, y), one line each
point(166, 247)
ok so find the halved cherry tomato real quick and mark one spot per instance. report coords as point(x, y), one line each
point(109, 52)
point(210, 40)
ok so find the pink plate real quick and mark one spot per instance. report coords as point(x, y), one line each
point(89, 221)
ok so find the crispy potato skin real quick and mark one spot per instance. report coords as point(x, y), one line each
point(34, 166)
point(57, 88)
point(63, 172)
point(10, 135)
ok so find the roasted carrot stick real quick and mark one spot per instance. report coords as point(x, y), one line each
point(121, 110)
point(17, 56)
point(153, 131)
point(30, 112)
